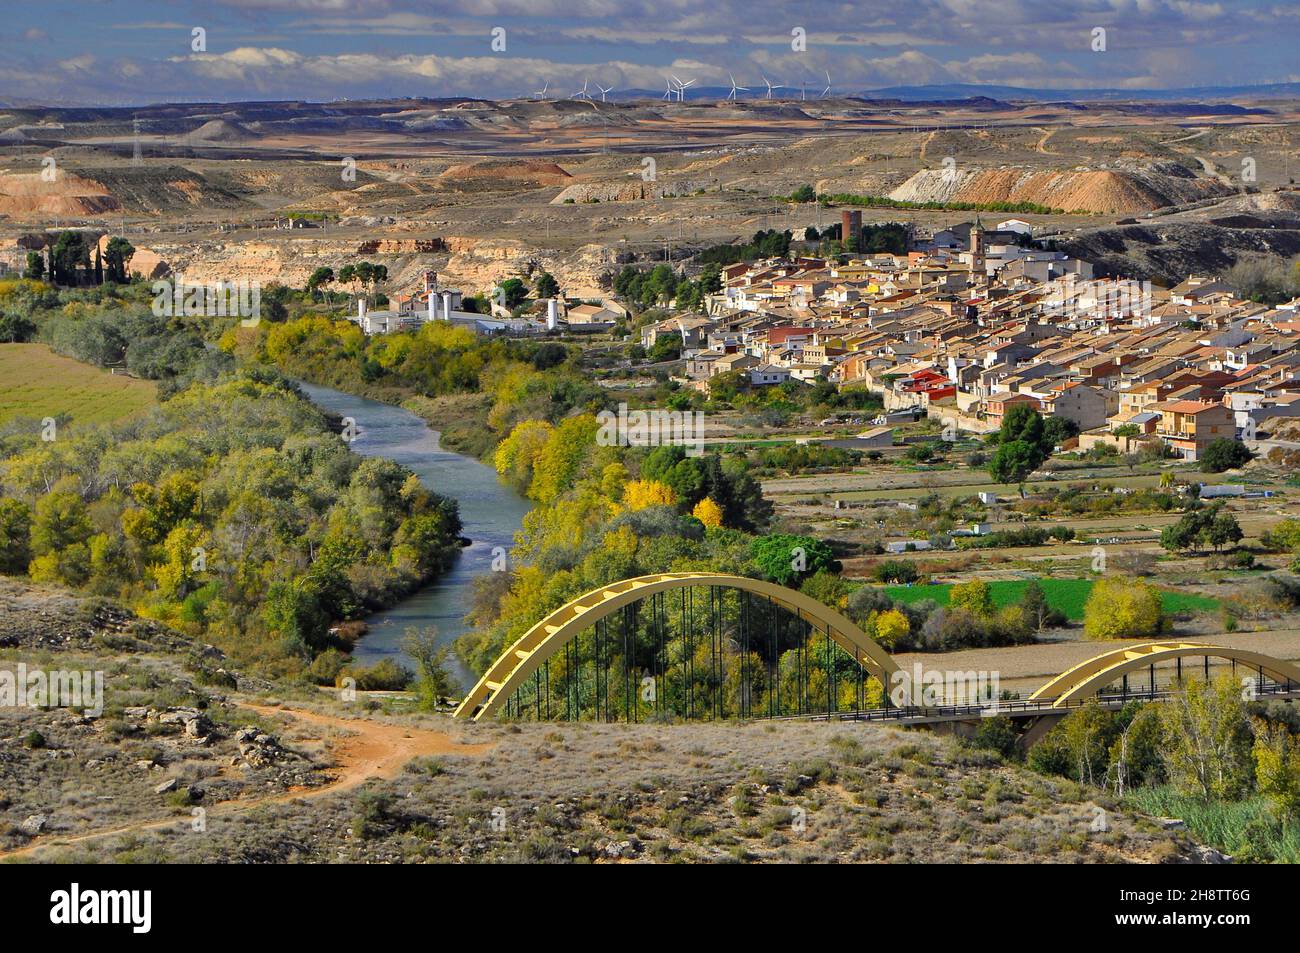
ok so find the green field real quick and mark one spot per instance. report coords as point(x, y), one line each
point(1066, 595)
point(36, 382)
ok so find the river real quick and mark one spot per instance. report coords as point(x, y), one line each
point(490, 511)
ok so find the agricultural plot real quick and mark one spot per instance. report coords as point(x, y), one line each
point(1065, 595)
point(37, 383)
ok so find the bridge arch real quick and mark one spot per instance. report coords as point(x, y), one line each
point(1092, 676)
point(556, 630)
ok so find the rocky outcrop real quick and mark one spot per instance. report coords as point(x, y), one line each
point(36, 616)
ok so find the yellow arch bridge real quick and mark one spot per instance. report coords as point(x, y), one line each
point(713, 645)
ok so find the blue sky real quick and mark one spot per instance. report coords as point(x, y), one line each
point(131, 51)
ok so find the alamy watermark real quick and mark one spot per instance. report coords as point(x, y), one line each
point(37, 688)
point(932, 687)
point(213, 299)
point(652, 428)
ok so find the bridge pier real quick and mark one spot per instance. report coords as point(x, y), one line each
point(1037, 728)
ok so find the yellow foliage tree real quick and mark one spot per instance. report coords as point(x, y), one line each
point(974, 596)
point(708, 513)
point(1277, 766)
point(638, 494)
point(1123, 609)
point(517, 455)
point(561, 459)
point(889, 626)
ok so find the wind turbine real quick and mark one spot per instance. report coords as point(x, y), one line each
point(582, 93)
point(603, 91)
point(681, 88)
point(826, 91)
point(541, 93)
point(771, 86)
point(734, 87)
point(668, 93)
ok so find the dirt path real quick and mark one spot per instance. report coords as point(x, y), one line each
point(925, 143)
point(369, 749)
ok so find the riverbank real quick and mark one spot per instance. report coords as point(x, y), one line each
point(491, 514)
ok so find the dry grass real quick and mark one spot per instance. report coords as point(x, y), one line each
point(39, 383)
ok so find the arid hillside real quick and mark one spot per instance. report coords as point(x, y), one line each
point(1111, 191)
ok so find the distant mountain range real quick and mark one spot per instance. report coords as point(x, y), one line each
point(941, 94)
point(960, 91)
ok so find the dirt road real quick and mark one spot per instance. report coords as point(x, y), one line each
point(368, 749)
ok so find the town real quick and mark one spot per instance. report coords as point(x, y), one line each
point(547, 436)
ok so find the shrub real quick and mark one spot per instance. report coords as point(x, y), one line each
point(997, 734)
point(896, 571)
point(384, 675)
point(1123, 609)
point(325, 668)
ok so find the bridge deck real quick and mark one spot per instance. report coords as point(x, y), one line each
point(1015, 709)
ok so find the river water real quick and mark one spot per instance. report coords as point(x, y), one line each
point(490, 511)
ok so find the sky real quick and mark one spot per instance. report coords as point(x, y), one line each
point(125, 52)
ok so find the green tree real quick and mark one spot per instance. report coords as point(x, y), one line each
point(15, 329)
point(1087, 735)
point(68, 255)
point(1225, 454)
point(35, 266)
point(117, 256)
point(512, 293)
point(293, 611)
point(433, 681)
point(321, 276)
point(1021, 422)
point(896, 571)
point(547, 286)
point(1207, 746)
point(1014, 461)
point(1277, 766)
point(1136, 754)
point(998, 734)
point(1038, 613)
point(60, 520)
point(1224, 530)
point(784, 558)
point(1213, 526)
point(15, 536)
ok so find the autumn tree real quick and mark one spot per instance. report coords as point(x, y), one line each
point(708, 513)
point(1123, 609)
point(973, 596)
point(889, 627)
point(638, 494)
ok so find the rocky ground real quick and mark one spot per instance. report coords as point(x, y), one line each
point(191, 762)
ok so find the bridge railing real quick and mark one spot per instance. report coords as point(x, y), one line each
point(1024, 708)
